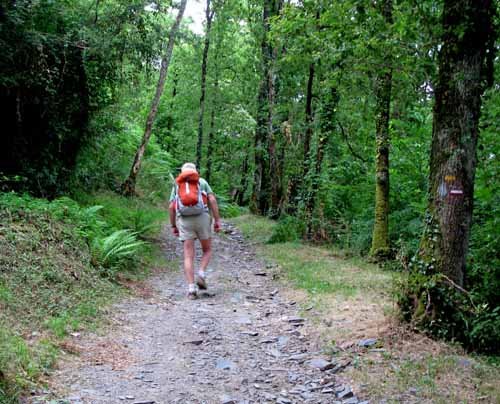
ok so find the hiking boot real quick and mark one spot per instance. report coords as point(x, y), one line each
point(192, 295)
point(200, 281)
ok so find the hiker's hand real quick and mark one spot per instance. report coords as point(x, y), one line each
point(217, 226)
point(175, 231)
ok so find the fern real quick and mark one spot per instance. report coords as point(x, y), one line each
point(113, 251)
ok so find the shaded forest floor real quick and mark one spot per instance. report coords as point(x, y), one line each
point(274, 315)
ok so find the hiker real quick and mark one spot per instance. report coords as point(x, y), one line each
point(191, 202)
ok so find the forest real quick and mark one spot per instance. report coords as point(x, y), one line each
point(365, 126)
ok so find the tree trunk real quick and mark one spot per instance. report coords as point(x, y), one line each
point(309, 123)
point(209, 15)
point(128, 187)
point(464, 73)
point(239, 197)
point(211, 133)
point(327, 126)
point(264, 129)
point(380, 248)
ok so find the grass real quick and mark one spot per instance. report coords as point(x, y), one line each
point(351, 300)
point(255, 228)
point(52, 283)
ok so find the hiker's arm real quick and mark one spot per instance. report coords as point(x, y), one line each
point(212, 204)
point(172, 214)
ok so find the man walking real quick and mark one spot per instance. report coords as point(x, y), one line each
point(191, 202)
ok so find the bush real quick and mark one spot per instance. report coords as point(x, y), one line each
point(228, 209)
point(289, 228)
point(433, 305)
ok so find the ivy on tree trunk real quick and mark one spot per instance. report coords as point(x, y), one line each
point(464, 73)
point(380, 248)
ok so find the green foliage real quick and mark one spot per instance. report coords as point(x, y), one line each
point(62, 62)
point(228, 209)
point(60, 262)
point(23, 362)
point(255, 228)
point(288, 229)
point(434, 305)
point(115, 251)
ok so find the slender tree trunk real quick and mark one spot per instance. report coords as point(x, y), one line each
point(211, 133)
point(128, 187)
point(309, 124)
point(273, 175)
point(259, 201)
point(209, 14)
point(380, 248)
point(327, 126)
point(465, 70)
point(307, 180)
point(96, 15)
point(239, 197)
point(170, 122)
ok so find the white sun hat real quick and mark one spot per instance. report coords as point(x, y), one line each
point(188, 167)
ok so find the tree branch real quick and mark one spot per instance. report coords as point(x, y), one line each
point(344, 135)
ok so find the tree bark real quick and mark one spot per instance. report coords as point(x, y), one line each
point(464, 73)
point(380, 248)
point(239, 196)
point(211, 133)
point(128, 187)
point(309, 122)
point(264, 129)
point(327, 126)
point(209, 15)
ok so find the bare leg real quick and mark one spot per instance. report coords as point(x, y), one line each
point(206, 246)
point(189, 261)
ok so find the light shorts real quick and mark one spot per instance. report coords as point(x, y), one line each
point(194, 227)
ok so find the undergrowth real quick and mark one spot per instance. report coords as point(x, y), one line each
point(61, 262)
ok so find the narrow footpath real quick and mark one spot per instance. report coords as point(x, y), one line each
point(241, 342)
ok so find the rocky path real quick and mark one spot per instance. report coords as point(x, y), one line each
point(242, 342)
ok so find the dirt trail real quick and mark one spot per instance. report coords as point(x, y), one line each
point(242, 342)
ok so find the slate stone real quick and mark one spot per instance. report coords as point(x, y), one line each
point(268, 340)
point(346, 393)
point(298, 357)
point(250, 333)
point(295, 320)
point(224, 364)
point(282, 341)
point(321, 364)
point(366, 343)
point(194, 342)
point(227, 400)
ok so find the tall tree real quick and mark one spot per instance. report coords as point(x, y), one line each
point(264, 129)
point(211, 132)
point(128, 186)
point(209, 17)
point(380, 248)
point(465, 71)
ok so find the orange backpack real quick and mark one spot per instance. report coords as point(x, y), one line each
point(190, 200)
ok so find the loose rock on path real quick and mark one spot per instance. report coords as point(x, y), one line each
point(241, 342)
